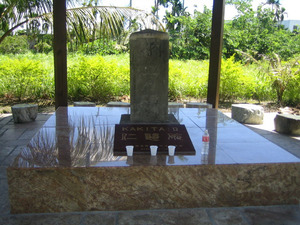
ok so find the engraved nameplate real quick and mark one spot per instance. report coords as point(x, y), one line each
point(142, 136)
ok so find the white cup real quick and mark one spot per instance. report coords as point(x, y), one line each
point(171, 149)
point(153, 149)
point(129, 150)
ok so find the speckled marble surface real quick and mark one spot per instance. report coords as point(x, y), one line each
point(69, 166)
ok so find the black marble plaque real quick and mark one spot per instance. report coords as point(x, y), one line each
point(143, 135)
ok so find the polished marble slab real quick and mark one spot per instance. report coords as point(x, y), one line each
point(69, 166)
point(86, 134)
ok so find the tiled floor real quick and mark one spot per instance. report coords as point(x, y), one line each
point(15, 136)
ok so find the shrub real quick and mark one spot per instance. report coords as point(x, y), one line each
point(100, 47)
point(94, 78)
point(25, 78)
point(102, 78)
point(43, 47)
point(234, 83)
point(281, 73)
point(292, 94)
point(14, 45)
point(187, 79)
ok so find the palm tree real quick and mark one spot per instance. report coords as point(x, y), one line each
point(273, 3)
point(15, 13)
point(84, 20)
point(279, 12)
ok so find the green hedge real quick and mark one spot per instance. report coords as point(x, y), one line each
point(24, 77)
point(104, 78)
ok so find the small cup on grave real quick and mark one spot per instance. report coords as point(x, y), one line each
point(129, 150)
point(153, 149)
point(171, 149)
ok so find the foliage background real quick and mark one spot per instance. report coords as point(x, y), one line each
point(103, 78)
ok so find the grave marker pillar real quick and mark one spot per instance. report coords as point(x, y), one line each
point(149, 68)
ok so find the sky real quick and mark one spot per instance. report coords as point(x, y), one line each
point(292, 6)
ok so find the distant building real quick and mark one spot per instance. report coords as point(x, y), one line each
point(291, 24)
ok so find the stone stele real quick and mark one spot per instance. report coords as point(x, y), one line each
point(287, 124)
point(247, 113)
point(149, 68)
point(23, 113)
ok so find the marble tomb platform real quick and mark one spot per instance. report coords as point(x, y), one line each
point(69, 166)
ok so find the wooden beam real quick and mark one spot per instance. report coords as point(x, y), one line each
point(60, 53)
point(215, 53)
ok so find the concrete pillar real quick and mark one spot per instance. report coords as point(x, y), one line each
point(149, 74)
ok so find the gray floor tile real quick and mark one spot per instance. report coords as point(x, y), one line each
point(12, 134)
point(11, 157)
point(5, 151)
point(273, 215)
point(4, 199)
point(15, 143)
point(230, 216)
point(42, 219)
point(2, 131)
point(105, 218)
point(28, 125)
point(2, 172)
point(183, 216)
point(5, 120)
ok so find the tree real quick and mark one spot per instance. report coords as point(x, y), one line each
point(278, 11)
point(15, 13)
point(176, 11)
point(263, 35)
point(82, 20)
point(242, 6)
point(193, 40)
point(157, 3)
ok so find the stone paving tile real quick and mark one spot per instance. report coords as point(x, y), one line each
point(11, 157)
point(29, 134)
point(5, 120)
point(5, 151)
point(15, 143)
point(183, 216)
point(2, 131)
point(231, 216)
point(29, 125)
point(107, 218)
point(3, 172)
point(12, 134)
point(42, 219)
point(4, 199)
point(273, 215)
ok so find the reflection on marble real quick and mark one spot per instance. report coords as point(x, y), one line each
point(69, 166)
point(86, 143)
